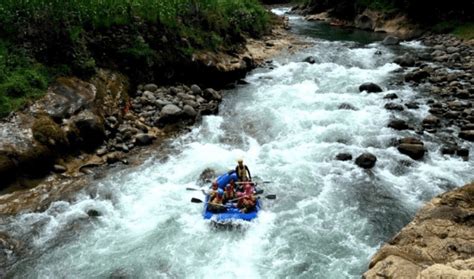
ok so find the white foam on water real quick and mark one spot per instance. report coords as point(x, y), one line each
point(329, 216)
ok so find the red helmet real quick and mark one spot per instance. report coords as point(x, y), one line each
point(214, 184)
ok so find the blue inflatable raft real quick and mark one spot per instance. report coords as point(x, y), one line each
point(231, 214)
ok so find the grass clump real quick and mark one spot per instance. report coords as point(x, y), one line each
point(21, 79)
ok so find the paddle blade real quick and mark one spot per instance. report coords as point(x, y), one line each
point(258, 192)
point(271, 197)
point(196, 200)
point(192, 189)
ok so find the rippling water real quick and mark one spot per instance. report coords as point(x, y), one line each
point(329, 217)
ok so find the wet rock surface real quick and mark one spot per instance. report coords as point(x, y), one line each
point(438, 243)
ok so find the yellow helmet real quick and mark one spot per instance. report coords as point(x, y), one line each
point(240, 160)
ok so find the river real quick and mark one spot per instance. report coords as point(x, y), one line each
point(329, 216)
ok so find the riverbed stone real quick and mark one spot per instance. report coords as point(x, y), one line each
point(344, 157)
point(91, 128)
point(195, 89)
point(59, 168)
point(416, 76)
point(150, 87)
point(390, 96)
point(366, 160)
point(370, 87)
point(391, 40)
point(211, 94)
point(310, 60)
point(467, 135)
point(398, 124)
point(406, 60)
point(346, 106)
point(412, 147)
point(189, 111)
point(393, 106)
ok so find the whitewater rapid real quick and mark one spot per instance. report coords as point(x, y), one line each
point(329, 216)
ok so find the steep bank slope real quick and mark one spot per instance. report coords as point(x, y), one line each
point(438, 243)
point(404, 18)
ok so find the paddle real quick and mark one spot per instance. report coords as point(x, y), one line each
point(196, 200)
point(257, 182)
point(270, 197)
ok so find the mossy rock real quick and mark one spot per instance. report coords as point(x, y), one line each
point(37, 160)
point(48, 132)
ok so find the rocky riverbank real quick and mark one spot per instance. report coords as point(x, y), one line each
point(444, 76)
point(438, 243)
point(82, 124)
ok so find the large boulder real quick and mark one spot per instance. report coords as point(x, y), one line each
point(412, 147)
point(310, 60)
point(144, 138)
point(391, 40)
point(211, 94)
point(437, 243)
point(370, 87)
point(66, 97)
point(90, 127)
point(170, 114)
point(406, 60)
point(49, 133)
point(366, 160)
point(344, 157)
point(467, 135)
point(398, 124)
point(416, 76)
point(364, 22)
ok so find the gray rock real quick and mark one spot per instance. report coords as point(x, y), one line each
point(144, 139)
point(430, 121)
point(412, 105)
point(189, 111)
point(211, 94)
point(150, 87)
point(170, 110)
point(398, 124)
point(452, 49)
point(93, 213)
point(393, 106)
point(59, 168)
point(101, 151)
point(463, 152)
point(416, 76)
point(366, 160)
point(364, 22)
point(196, 89)
point(370, 87)
point(344, 157)
point(467, 135)
point(346, 106)
point(391, 40)
point(310, 60)
point(91, 128)
point(412, 147)
point(390, 96)
point(406, 60)
point(149, 96)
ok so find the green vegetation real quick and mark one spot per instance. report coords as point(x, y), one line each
point(465, 31)
point(422, 11)
point(140, 37)
point(21, 79)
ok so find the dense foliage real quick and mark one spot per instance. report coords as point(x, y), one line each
point(41, 38)
point(423, 11)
